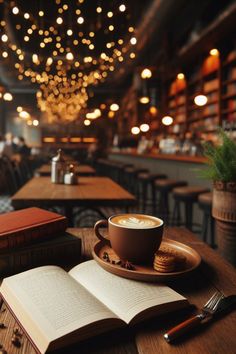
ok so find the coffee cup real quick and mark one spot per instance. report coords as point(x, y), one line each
point(133, 237)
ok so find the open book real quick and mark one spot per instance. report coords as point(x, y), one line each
point(56, 308)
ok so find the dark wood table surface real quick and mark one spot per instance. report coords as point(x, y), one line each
point(82, 170)
point(90, 192)
point(217, 337)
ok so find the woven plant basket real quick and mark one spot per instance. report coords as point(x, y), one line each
point(224, 212)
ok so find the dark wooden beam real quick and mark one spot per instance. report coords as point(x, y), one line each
point(217, 30)
point(149, 26)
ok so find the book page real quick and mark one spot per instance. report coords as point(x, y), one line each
point(50, 304)
point(124, 297)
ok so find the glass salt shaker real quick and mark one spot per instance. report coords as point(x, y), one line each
point(70, 176)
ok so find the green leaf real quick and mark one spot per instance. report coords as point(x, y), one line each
point(221, 160)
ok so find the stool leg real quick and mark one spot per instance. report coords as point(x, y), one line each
point(164, 206)
point(188, 215)
point(154, 201)
point(176, 217)
point(144, 196)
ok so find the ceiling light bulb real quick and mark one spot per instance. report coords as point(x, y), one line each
point(4, 54)
point(49, 61)
point(26, 16)
point(97, 112)
point(133, 40)
point(80, 20)
point(19, 109)
point(15, 10)
point(69, 32)
point(7, 96)
point(35, 122)
point(153, 110)
point(87, 122)
point(200, 100)
point(110, 14)
point(144, 128)
point(135, 130)
point(4, 38)
point(24, 115)
point(59, 20)
point(35, 59)
point(167, 120)
point(144, 99)
point(114, 107)
point(122, 8)
point(180, 76)
point(69, 56)
point(146, 73)
point(99, 9)
point(214, 52)
point(41, 13)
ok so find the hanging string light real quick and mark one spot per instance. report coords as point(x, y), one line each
point(64, 82)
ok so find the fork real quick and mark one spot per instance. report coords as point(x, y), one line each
point(207, 312)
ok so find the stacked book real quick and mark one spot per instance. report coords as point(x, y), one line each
point(33, 237)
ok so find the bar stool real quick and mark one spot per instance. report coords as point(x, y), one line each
point(130, 175)
point(145, 185)
point(205, 204)
point(163, 187)
point(188, 196)
point(121, 174)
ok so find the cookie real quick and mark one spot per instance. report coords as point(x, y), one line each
point(167, 260)
point(164, 262)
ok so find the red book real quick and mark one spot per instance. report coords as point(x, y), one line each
point(25, 226)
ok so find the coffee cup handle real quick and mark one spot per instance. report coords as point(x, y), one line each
point(98, 224)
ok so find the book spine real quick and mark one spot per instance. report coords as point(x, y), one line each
point(28, 236)
point(64, 253)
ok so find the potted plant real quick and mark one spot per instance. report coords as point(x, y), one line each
point(221, 169)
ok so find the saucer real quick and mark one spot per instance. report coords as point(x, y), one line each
point(146, 272)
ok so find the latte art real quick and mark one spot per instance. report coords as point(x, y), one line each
point(135, 221)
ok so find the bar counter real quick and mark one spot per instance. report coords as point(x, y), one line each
point(158, 156)
point(182, 167)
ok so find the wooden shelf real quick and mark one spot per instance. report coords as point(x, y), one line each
point(174, 95)
point(202, 117)
point(228, 110)
point(212, 73)
point(229, 81)
point(228, 96)
point(193, 82)
point(211, 91)
point(178, 105)
point(193, 108)
point(229, 62)
point(210, 115)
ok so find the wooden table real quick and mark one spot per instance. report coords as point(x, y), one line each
point(83, 170)
point(217, 337)
point(90, 192)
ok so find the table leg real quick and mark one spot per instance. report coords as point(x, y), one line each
point(69, 215)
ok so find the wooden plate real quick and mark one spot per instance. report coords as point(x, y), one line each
point(146, 272)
